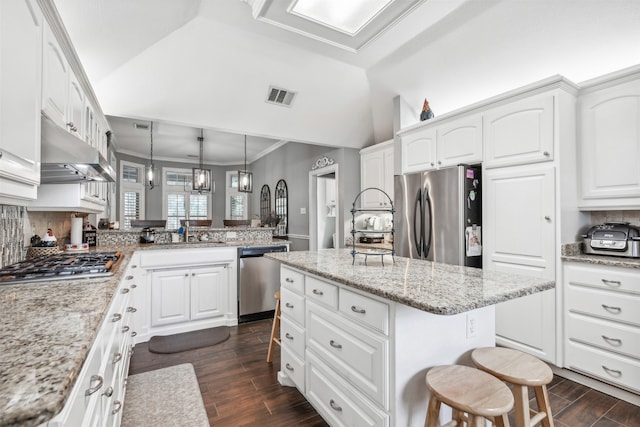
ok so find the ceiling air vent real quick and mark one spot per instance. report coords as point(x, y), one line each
point(280, 96)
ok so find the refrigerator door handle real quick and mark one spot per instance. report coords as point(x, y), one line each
point(427, 241)
point(417, 213)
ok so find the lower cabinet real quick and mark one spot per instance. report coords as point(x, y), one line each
point(602, 323)
point(186, 289)
point(98, 395)
point(359, 359)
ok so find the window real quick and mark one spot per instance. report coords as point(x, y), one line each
point(236, 206)
point(131, 193)
point(179, 200)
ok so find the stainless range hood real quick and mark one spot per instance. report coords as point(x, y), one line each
point(66, 159)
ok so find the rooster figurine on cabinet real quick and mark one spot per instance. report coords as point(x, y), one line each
point(426, 111)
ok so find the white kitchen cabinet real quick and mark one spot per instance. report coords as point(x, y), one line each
point(55, 80)
point(292, 328)
point(603, 323)
point(519, 132)
point(442, 144)
point(185, 289)
point(376, 171)
point(74, 197)
point(519, 237)
point(75, 107)
point(21, 24)
point(183, 295)
point(609, 135)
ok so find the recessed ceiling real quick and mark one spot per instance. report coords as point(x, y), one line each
point(349, 25)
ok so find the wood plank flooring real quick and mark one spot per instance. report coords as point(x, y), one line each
point(240, 388)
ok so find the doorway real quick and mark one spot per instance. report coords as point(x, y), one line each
point(324, 208)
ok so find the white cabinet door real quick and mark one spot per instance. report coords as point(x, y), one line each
point(75, 107)
point(55, 80)
point(20, 86)
point(170, 301)
point(376, 171)
point(208, 292)
point(609, 133)
point(419, 151)
point(459, 142)
point(520, 132)
point(520, 238)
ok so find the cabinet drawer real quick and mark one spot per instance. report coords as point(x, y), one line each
point(322, 292)
point(357, 354)
point(611, 278)
point(605, 304)
point(292, 306)
point(365, 310)
point(291, 279)
point(607, 366)
point(339, 403)
point(292, 337)
point(293, 367)
point(607, 335)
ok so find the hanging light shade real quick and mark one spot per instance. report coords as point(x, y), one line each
point(150, 169)
point(245, 178)
point(201, 177)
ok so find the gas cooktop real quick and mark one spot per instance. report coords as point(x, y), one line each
point(64, 266)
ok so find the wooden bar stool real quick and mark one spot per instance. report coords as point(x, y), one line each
point(275, 328)
point(474, 396)
point(521, 370)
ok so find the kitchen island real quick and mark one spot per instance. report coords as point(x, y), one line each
point(358, 339)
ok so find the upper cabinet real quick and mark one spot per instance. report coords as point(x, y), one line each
point(519, 132)
point(609, 136)
point(20, 87)
point(376, 171)
point(441, 144)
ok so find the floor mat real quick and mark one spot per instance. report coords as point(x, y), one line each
point(188, 340)
point(165, 397)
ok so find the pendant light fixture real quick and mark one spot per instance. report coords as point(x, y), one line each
point(150, 170)
point(201, 177)
point(245, 178)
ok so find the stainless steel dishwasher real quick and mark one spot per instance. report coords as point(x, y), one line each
point(258, 280)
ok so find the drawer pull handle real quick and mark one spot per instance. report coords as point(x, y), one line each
point(317, 292)
point(289, 367)
point(116, 317)
point(125, 329)
point(358, 310)
point(612, 341)
point(131, 309)
point(133, 334)
point(288, 336)
point(334, 344)
point(614, 372)
point(117, 357)
point(134, 266)
point(134, 286)
point(117, 405)
point(615, 283)
point(108, 392)
point(288, 305)
point(92, 390)
point(614, 310)
point(334, 406)
point(288, 280)
point(129, 277)
point(125, 290)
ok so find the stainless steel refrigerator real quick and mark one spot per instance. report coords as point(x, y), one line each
point(439, 215)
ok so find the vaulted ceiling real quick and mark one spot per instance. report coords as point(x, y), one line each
point(209, 63)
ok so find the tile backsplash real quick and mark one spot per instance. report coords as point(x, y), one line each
point(12, 219)
point(600, 217)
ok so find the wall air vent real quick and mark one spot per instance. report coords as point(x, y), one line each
point(280, 96)
point(141, 126)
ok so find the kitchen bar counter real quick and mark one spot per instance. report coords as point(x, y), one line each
point(432, 287)
point(48, 329)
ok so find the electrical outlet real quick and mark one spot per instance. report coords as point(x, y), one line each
point(471, 326)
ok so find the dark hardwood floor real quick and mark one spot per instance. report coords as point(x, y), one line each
point(240, 388)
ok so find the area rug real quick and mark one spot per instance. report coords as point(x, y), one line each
point(188, 340)
point(165, 397)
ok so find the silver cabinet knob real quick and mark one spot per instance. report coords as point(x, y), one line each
point(91, 390)
point(546, 154)
point(547, 218)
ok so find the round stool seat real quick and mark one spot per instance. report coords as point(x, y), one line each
point(512, 366)
point(469, 390)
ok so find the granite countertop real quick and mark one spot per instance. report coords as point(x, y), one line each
point(573, 252)
point(425, 285)
point(47, 331)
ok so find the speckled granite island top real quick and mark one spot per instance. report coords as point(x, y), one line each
point(433, 287)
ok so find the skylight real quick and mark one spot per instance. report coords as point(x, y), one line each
point(346, 16)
